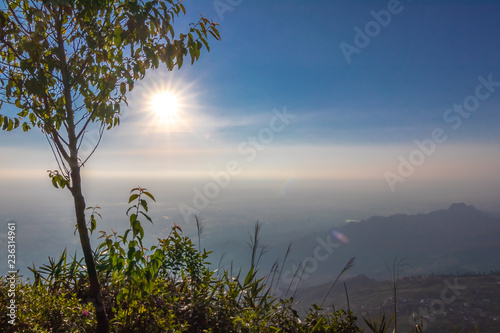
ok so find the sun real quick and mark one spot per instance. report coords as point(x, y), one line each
point(166, 106)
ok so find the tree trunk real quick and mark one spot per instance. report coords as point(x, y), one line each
point(95, 286)
point(76, 181)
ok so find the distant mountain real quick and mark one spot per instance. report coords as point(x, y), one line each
point(458, 239)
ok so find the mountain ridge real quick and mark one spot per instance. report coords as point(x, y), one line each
point(458, 239)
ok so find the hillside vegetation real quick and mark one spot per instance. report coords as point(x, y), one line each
point(166, 288)
point(170, 287)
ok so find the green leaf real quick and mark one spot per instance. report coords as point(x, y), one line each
point(250, 276)
point(118, 36)
point(317, 326)
point(179, 60)
point(133, 219)
point(147, 217)
point(133, 197)
point(205, 43)
point(149, 195)
point(126, 234)
point(144, 204)
point(123, 88)
point(32, 118)
point(93, 224)
point(214, 33)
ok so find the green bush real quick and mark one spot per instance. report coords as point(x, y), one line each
point(167, 288)
point(41, 310)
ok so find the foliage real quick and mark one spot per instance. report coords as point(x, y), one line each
point(44, 311)
point(88, 54)
point(66, 64)
point(167, 288)
point(381, 325)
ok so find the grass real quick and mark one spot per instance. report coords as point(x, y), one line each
point(170, 288)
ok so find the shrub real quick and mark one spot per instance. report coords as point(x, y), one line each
point(167, 288)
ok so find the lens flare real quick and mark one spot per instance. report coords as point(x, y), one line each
point(340, 236)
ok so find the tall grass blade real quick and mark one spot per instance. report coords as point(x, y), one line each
point(348, 266)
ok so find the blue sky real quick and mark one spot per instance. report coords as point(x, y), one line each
point(354, 122)
point(394, 91)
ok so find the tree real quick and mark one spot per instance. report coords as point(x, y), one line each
point(66, 64)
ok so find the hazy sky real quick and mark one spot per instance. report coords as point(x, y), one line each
point(304, 110)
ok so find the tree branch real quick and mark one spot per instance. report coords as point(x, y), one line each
point(56, 139)
point(101, 132)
